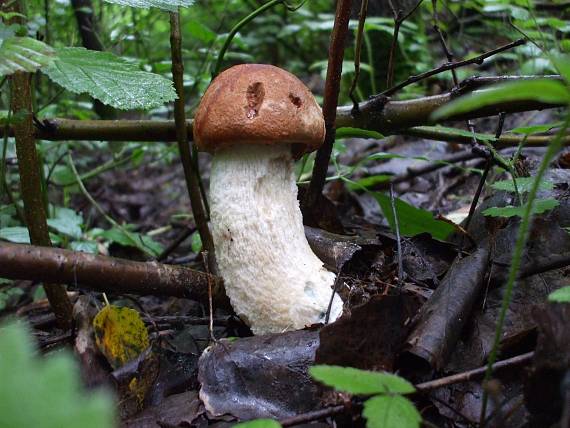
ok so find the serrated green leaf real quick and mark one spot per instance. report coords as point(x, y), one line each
point(540, 206)
point(412, 220)
point(348, 132)
point(524, 185)
point(168, 5)
point(391, 411)
point(45, 392)
point(16, 234)
point(24, 54)
point(543, 90)
point(110, 79)
point(562, 295)
point(364, 382)
point(259, 423)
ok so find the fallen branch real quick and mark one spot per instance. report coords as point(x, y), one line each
point(475, 373)
point(378, 114)
point(106, 274)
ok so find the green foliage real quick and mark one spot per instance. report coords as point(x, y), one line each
point(259, 423)
point(562, 295)
point(8, 296)
point(546, 91)
point(15, 234)
point(122, 236)
point(21, 53)
point(66, 222)
point(110, 79)
point(168, 5)
point(411, 220)
point(524, 184)
point(348, 132)
point(538, 207)
point(196, 243)
point(388, 408)
point(360, 382)
point(44, 392)
point(391, 411)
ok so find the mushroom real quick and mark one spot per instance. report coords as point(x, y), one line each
point(252, 118)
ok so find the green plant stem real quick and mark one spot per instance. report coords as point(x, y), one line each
point(189, 164)
point(522, 238)
point(138, 243)
point(370, 54)
point(238, 27)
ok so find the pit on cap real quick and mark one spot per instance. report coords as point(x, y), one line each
point(258, 104)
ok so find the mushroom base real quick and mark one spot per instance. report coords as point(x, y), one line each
point(274, 281)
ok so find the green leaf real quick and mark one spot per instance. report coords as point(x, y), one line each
point(196, 243)
point(355, 381)
point(168, 5)
point(455, 132)
point(562, 64)
point(524, 184)
point(543, 90)
point(16, 234)
point(412, 220)
point(45, 391)
point(259, 423)
point(535, 129)
point(131, 239)
point(110, 79)
point(84, 247)
point(67, 222)
point(24, 54)
point(540, 206)
point(391, 411)
point(562, 295)
point(348, 132)
point(388, 156)
point(368, 182)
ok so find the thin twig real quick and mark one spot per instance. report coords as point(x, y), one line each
point(357, 50)
point(398, 238)
point(474, 374)
point(399, 19)
point(451, 66)
point(315, 415)
point(330, 102)
point(191, 176)
point(176, 243)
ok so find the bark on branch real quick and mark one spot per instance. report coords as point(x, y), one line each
point(107, 274)
point(378, 114)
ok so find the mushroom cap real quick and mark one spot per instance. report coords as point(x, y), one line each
point(258, 104)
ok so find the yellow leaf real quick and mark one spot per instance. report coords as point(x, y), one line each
point(120, 334)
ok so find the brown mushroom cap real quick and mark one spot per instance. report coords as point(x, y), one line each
point(258, 104)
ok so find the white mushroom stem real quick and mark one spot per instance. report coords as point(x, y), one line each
point(273, 279)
